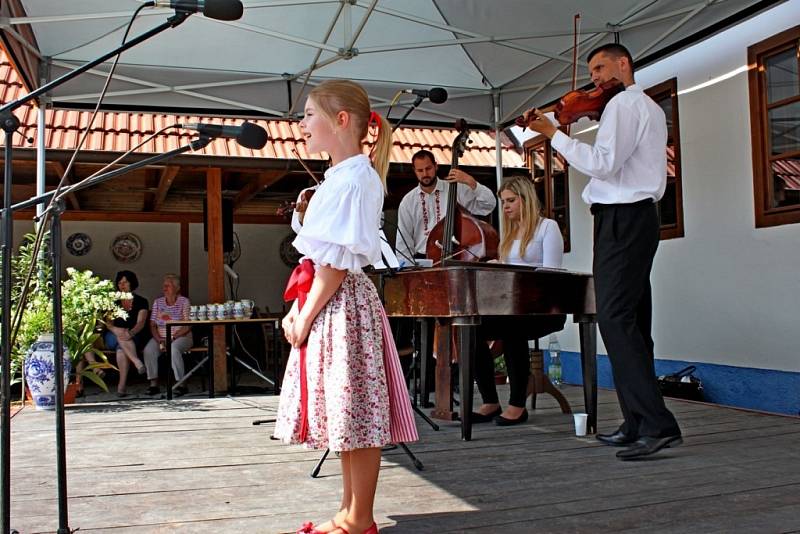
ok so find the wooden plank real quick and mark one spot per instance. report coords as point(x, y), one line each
point(165, 180)
point(199, 465)
point(216, 280)
point(253, 187)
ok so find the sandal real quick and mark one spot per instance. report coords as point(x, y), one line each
point(308, 528)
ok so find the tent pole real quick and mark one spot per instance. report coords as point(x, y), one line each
point(498, 146)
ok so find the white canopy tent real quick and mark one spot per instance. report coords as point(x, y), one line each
point(495, 58)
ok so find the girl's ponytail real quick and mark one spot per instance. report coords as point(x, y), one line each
point(383, 145)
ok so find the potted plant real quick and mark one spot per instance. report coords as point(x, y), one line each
point(500, 372)
point(85, 300)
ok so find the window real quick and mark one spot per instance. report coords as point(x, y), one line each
point(670, 207)
point(774, 79)
point(550, 179)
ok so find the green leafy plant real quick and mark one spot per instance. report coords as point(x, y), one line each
point(86, 300)
point(500, 365)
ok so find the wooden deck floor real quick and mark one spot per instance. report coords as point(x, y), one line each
point(199, 465)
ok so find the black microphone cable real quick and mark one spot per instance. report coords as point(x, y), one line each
point(403, 239)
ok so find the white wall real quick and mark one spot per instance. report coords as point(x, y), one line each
point(726, 293)
point(262, 275)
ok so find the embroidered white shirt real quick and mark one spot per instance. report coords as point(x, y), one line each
point(628, 161)
point(342, 220)
point(417, 207)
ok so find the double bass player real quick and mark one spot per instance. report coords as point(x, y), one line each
point(426, 204)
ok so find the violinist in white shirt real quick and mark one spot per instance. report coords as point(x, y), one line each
point(627, 169)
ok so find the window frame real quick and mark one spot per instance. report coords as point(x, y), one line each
point(669, 88)
point(532, 145)
point(765, 215)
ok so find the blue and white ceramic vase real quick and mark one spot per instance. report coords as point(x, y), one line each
point(40, 375)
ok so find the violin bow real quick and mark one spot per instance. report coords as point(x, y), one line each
point(303, 163)
point(576, 24)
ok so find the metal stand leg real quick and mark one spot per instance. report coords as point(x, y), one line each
point(315, 472)
point(190, 373)
point(254, 370)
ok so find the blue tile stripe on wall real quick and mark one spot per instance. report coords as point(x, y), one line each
point(743, 387)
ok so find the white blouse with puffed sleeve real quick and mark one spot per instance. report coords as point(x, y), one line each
point(342, 222)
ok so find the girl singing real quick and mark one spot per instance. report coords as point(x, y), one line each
point(343, 388)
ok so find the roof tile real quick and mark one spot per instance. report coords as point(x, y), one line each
point(119, 132)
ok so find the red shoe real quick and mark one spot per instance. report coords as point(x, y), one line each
point(371, 530)
point(308, 528)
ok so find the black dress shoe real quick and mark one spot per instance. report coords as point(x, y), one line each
point(502, 421)
point(477, 417)
point(617, 439)
point(646, 445)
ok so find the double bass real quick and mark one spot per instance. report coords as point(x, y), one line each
point(459, 235)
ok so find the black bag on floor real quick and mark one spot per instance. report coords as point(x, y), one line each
point(682, 385)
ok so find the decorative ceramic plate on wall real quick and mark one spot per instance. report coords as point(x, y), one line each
point(126, 248)
point(288, 253)
point(79, 244)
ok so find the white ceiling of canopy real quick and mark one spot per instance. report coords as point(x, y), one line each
point(520, 50)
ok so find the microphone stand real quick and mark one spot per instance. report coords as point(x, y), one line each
point(414, 106)
point(10, 123)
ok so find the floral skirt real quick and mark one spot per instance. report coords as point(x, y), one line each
point(357, 396)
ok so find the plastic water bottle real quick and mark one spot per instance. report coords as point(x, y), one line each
point(554, 369)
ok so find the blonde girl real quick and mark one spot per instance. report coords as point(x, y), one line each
point(343, 388)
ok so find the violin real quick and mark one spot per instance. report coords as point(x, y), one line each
point(581, 103)
point(286, 208)
point(459, 235)
point(299, 205)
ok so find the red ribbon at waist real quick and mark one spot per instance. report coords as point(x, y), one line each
point(297, 288)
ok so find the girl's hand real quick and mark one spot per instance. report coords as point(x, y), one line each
point(288, 321)
point(298, 333)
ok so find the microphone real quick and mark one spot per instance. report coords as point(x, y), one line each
point(248, 135)
point(437, 95)
point(213, 9)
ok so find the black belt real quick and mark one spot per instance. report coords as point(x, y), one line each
point(596, 207)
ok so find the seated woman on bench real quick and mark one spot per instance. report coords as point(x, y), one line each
point(128, 336)
point(171, 307)
point(528, 239)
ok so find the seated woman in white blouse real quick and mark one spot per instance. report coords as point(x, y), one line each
point(528, 239)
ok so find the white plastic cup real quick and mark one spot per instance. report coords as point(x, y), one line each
point(580, 423)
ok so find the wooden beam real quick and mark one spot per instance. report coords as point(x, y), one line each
point(254, 187)
point(72, 198)
point(168, 174)
point(216, 279)
point(185, 258)
point(148, 216)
